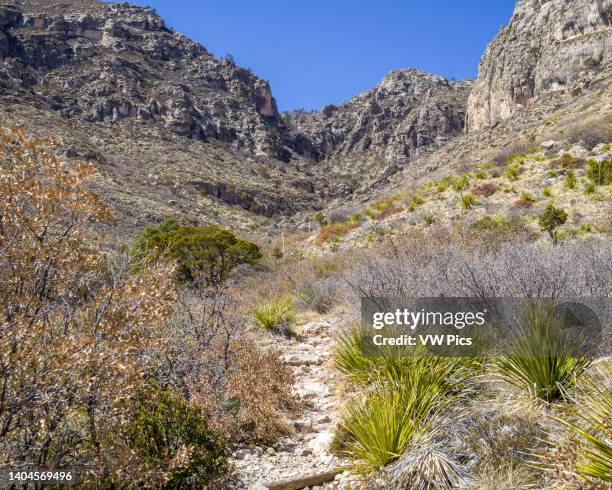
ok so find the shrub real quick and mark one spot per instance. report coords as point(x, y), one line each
point(512, 153)
point(341, 214)
point(600, 173)
point(587, 452)
point(567, 161)
point(319, 217)
point(589, 134)
point(542, 359)
point(481, 175)
point(528, 197)
point(461, 183)
point(333, 232)
point(551, 219)
point(589, 188)
point(276, 315)
point(512, 172)
point(547, 192)
point(485, 190)
point(390, 211)
point(173, 437)
point(570, 180)
point(468, 201)
point(208, 253)
point(74, 324)
point(416, 201)
point(523, 203)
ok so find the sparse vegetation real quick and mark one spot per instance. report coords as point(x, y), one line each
point(468, 201)
point(276, 315)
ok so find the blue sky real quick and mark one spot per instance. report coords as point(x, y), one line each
point(317, 52)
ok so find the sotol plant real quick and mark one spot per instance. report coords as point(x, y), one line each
point(276, 315)
point(544, 359)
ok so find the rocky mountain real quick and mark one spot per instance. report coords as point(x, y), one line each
point(407, 111)
point(548, 46)
point(174, 130)
point(107, 62)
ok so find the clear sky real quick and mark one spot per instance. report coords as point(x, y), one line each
point(316, 52)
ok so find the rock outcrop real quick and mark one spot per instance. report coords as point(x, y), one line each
point(549, 45)
point(106, 62)
point(408, 110)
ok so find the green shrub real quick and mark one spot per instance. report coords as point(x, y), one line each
point(542, 359)
point(277, 315)
point(551, 219)
point(600, 173)
point(320, 218)
point(570, 180)
point(589, 188)
point(589, 451)
point(380, 426)
point(526, 196)
point(172, 435)
point(512, 172)
point(481, 175)
point(207, 252)
point(416, 200)
point(468, 201)
point(547, 192)
point(461, 183)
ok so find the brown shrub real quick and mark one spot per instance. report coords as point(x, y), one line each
point(523, 203)
point(567, 161)
point(334, 230)
point(589, 134)
point(390, 211)
point(485, 190)
point(76, 325)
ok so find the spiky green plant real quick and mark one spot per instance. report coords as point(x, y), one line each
point(590, 434)
point(350, 358)
point(276, 315)
point(383, 423)
point(543, 359)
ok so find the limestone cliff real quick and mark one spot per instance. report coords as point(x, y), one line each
point(549, 45)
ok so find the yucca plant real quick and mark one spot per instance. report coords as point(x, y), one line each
point(350, 358)
point(426, 467)
point(277, 315)
point(543, 359)
point(384, 422)
point(391, 364)
point(589, 433)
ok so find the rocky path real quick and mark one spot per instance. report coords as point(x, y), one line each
point(306, 451)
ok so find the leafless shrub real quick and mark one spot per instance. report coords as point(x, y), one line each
point(342, 214)
point(214, 361)
point(429, 266)
point(518, 147)
point(589, 134)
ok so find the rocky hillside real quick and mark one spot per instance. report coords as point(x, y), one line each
point(548, 46)
point(407, 111)
point(107, 62)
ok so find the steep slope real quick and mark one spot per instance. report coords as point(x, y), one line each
point(172, 129)
point(108, 62)
point(548, 46)
point(406, 112)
